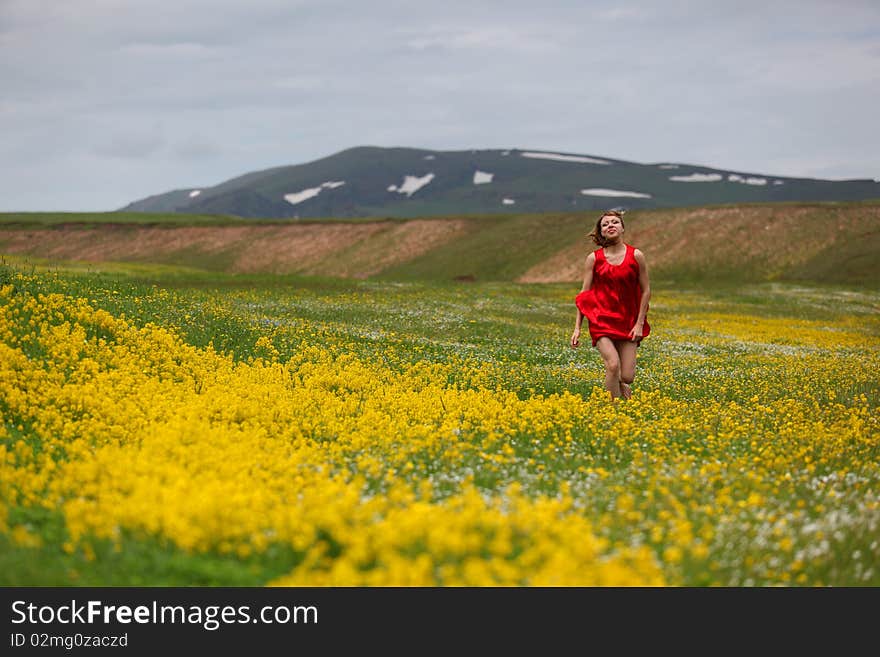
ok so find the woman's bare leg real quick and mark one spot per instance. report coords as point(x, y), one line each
point(612, 365)
point(626, 350)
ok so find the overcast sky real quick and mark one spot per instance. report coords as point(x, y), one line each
point(103, 102)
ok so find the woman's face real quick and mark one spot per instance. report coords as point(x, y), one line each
point(610, 226)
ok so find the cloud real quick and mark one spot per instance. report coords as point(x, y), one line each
point(616, 14)
point(130, 145)
point(519, 39)
point(781, 88)
point(170, 50)
point(197, 148)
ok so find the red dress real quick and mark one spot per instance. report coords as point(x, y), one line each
point(611, 305)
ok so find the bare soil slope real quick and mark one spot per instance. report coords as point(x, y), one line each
point(827, 242)
point(768, 242)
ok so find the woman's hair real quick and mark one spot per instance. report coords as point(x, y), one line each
point(596, 233)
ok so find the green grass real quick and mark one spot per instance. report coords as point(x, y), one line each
point(495, 321)
point(521, 330)
point(134, 561)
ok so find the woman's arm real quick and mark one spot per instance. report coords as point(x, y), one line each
point(589, 263)
point(645, 284)
point(588, 281)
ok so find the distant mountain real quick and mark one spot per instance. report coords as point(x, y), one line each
point(407, 182)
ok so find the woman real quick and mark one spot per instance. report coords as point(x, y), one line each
point(614, 299)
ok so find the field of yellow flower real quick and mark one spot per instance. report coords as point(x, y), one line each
point(251, 431)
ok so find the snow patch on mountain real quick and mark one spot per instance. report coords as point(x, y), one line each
point(304, 195)
point(735, 177)
point(481, 177)
point(411, 184)
point(558, 157)
point(195, 193)
point(698, 177)
point(613, 192)
point(312, 192)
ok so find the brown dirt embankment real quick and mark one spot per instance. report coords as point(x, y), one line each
point(762, 241)
point(811, 241)
point(356, 250)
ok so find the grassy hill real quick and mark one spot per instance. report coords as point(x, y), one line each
point(817, 242)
